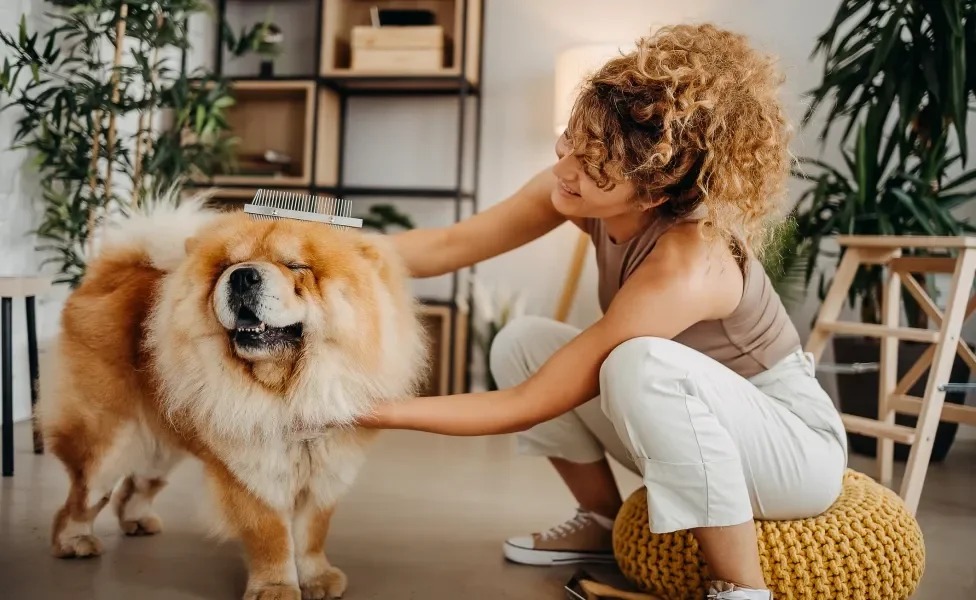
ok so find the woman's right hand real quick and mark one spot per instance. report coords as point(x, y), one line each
point(521, 218)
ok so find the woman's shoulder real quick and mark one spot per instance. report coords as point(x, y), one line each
point(706, 265)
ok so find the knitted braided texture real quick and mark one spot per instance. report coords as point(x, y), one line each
point(864, 547)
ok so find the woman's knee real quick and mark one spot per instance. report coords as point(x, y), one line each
point(643, 357)
point(638, 376)
point(509, 358)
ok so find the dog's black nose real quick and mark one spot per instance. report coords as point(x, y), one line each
point(244, 279)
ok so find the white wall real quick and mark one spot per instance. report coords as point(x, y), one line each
point(18, 216)
point(388, 147)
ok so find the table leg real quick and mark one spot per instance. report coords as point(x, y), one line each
point(7, 332)
point(34, 376)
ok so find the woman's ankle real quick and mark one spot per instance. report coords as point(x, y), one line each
point(592, 485)
point(604, 520)
point(606, 510)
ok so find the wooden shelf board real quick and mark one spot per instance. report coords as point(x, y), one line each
point(283, 84)
point(246, 183)
point(445, 81)
point(275, 80)
point(257, 181)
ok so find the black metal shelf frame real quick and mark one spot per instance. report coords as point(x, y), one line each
point(349, 86)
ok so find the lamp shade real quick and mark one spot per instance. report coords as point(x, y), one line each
point(572, 66)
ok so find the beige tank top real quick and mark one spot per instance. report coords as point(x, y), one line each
point(757, 334)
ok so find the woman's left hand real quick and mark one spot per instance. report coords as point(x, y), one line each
point(483, 413)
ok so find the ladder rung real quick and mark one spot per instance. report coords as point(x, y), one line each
point(878, 429)
point(952, 413)
point(870, 330)
point(957, 387)
point(848, 369)
point(923, 264)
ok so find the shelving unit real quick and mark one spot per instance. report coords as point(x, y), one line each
point(274, 115)
point(306, 118)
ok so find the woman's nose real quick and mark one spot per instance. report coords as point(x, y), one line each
point(566, 167)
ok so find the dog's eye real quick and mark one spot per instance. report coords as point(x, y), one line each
point(298, 267)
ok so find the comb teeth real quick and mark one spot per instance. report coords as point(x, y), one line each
point(274, 204)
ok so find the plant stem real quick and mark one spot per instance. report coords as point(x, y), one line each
point(119, 44)
point(96, 144)
point(137, 176)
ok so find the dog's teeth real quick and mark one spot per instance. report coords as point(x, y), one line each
point(260, 327)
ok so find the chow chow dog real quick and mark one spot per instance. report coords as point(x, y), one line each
point(251, 346)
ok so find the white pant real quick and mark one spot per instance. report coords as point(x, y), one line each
point(714, 449)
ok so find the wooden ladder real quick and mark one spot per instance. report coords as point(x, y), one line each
point(945, 343)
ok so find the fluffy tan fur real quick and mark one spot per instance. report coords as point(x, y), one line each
point(148, 371)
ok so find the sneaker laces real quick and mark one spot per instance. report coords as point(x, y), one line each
point(581, 520)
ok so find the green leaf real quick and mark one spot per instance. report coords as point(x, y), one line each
point(961, 180)
point(889, 36)
point(22, 30)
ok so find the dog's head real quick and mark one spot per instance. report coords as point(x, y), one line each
point(275, 288)
point(313, 319)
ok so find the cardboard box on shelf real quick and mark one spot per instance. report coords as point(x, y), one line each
point(398, 49)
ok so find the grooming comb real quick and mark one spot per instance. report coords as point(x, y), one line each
point(303, 207)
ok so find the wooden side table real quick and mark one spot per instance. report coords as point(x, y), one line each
point(27, 288)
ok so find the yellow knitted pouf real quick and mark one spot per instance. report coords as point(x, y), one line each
point(864, 547)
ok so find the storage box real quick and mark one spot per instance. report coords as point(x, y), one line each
point(397, 49)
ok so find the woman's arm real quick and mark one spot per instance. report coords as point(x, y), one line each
point(678, 285)
point(521, 218)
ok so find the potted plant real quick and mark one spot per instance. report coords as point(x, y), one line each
point(264, 38)
point(494, 308)
point(381, 217)
point(896, 77)
point(102, 64)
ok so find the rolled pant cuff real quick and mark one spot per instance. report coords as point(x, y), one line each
point(690, 496)
point(580, 454)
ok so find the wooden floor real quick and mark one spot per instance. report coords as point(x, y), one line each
point(425, 521)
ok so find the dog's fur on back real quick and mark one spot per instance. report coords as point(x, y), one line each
point(250, 345)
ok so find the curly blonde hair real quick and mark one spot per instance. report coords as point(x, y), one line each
point(692, 115)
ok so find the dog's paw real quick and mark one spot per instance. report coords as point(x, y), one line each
point(150, 525)
point(274, 592)
point(82, 546)
point(328, 586)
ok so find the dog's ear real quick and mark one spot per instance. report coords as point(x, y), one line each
point(381, 252)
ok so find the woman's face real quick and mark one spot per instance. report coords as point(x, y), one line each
point(576, 195)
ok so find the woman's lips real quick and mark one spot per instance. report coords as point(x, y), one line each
point(565, 188)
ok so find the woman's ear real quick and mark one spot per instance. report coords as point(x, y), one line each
point(647, 203)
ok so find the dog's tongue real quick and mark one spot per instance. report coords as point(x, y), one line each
point(247, 318)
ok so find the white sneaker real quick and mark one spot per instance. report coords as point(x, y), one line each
point(720, 590)
point(586, 538)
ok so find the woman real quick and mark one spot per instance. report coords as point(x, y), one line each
point(674, 160)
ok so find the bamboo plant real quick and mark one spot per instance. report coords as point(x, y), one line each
point(102, 64)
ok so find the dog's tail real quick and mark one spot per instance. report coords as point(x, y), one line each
point(159, 228)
